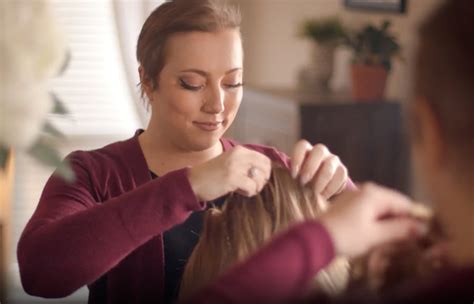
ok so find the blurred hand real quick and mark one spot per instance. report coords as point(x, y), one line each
point(240, 169)
point(318, 166)
point(361, 220)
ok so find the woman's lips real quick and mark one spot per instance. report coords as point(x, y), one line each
point(208, 126)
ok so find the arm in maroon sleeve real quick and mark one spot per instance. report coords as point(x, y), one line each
point(279, 272)
point(71, 240)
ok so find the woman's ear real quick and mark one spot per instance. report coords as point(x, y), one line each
point(429, 143)
point(145, 84)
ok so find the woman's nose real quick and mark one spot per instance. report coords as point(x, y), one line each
point(214, 102)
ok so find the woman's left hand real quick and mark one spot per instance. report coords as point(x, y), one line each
point(319, 167)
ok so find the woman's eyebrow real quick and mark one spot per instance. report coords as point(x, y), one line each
point(205, 74)
point(232, 70)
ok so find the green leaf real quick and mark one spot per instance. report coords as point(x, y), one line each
point(48, 156)
point(374, 45)
point(52, 130)
point(324, 31)
point(59, 107)
point(67, 61)
point(4, 154)
point(64, 170)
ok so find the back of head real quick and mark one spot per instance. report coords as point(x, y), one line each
point(444, 76)
point(243, 225)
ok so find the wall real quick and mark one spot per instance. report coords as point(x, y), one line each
point(274, 53)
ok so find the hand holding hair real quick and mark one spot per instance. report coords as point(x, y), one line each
point(238, 170)
point(361, 220)
point(317, 166)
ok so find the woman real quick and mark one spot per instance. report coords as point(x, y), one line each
point(112, 228)
point(442, 128)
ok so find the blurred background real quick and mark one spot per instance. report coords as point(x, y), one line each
point(299, 83)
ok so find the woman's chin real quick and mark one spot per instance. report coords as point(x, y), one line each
point(201, 143)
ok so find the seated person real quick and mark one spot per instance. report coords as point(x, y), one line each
point(240, 226)
point(243, 224)
point(393, 264)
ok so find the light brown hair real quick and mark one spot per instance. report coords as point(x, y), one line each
point(444, 76)
point(242, 225)
point(178, 16)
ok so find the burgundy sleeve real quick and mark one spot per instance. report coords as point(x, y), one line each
point(71, 240)
point(279, 272)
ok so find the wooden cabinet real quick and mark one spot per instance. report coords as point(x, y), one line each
point(370, 139)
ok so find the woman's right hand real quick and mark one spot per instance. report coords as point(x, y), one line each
point(361, 220)
point(241, 170)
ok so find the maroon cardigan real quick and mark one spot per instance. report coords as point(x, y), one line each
point(105, 229)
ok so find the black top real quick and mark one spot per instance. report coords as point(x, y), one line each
point(179, 243)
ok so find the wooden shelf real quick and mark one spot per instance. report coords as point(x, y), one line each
point(369, 138)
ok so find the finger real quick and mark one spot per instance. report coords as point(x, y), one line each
point(265, 168)
point(325, 174)
point(313, 161)
point(261, 162)
point(247, 187)
point(438, 252)
point(336, 184)
point(399, 229)
point(298, 156)
point(259, 179)
point(389, 202)
point(245, 155)
point(245, 159)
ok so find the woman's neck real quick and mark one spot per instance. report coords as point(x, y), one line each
point(455, 201)
point(162, 156)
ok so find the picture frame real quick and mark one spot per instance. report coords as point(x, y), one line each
point(388, 6)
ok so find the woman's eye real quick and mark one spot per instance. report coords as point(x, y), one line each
point(233, 86)
point(187, 86)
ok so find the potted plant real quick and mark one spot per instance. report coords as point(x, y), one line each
point(373, 48)
point(326, 34)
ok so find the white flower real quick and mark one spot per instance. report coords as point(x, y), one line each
point(24, 108)
point(31, 51)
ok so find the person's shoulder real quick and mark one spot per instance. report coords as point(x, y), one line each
point(273, 153)
point(108, 151)
point(451, 286)
point(115, 153)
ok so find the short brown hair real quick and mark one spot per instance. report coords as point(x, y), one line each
point(444, 75)
point(179, 16)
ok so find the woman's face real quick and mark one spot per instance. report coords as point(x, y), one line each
point(199, 88)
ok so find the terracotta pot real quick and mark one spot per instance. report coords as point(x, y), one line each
point(368, 82)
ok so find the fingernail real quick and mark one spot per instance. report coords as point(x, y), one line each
point(323, 194)
point(422, 229)
point(294, 171)
point(304, 179)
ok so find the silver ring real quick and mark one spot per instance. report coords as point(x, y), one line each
point(252, 172)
